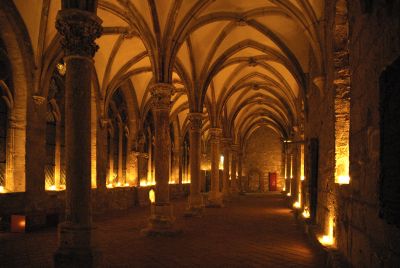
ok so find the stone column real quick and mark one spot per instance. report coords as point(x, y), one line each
point(234, 181)
point(195, 204)
point(226, 192)
point(240, 169)
point(162, 220)
point(111, 157)
point(57, 158)
point(78, 29)
point(120, 143)
point(215, 196)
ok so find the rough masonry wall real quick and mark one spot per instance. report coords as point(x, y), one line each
point(374, 44)
point(364, 238)
point(262, 154)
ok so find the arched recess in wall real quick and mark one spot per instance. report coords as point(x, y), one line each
point(389, 186)
point(55, 131)
point(342, 85)
point(117, 140)
point(175, 150)
point(186, 158)
point(16, 43)
point(5, 105)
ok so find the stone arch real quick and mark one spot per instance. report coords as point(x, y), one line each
point(20, 55)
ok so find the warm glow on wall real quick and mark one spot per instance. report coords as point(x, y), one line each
point(152, 196)
point(342, 167)
point(302, 162)
point(221, 162)
point(18, 223)
point(328, 239)
point(144, 183)
point(55, 188)
point(291, 166)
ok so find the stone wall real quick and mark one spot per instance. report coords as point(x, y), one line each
point(262, 154)
point(362, 236)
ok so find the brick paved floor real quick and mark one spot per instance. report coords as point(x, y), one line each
point(252, 231)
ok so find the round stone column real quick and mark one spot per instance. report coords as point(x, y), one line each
point(240, 169)
point(226, 192)
point(78, 30)
point(215, 195)
point(234, 181)
point(195, 202)
point(161, 220)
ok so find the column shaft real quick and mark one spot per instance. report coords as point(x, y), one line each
point(195, 205)
point(161, 221)
point(225, 183)
point(215, 196)
point(78, 29)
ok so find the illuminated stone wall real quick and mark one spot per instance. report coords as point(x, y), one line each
point(263, 154)
point(361, 235)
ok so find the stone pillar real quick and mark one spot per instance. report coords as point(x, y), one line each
point(162, 220)
point(240, 169)
point(195, 205)
point(111, 157)
point(181, 162)
point(215, 195)
point(57, 158)
point(78, 29)
point(234, 181)
point(120, 143)
point(226, 192)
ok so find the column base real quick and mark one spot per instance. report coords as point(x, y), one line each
point(75, 249)
point(226, 196)
point(195, 206)
point(77, 257)
point(215, 200)
point(161, 222)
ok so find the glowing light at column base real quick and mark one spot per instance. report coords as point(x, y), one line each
point(344, 179)
point(152, 196)
point(296, 204)
point(328, 239)
point(289, 194)
point(144, 183)
point(55, 188)
point(2, 189)
point(306, 213)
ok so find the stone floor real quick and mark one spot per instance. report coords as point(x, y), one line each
point(251, 231)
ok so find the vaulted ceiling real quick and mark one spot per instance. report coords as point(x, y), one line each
point(244, 63)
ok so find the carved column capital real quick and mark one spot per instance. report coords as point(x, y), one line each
point(39, 100)
point(215, 135)
point(235, 147)
point(161, 96)
point(141, 154)
point(196, 120)
point(226, 142)
point(78, 29)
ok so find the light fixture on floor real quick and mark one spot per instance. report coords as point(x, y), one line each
point(306, 213)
